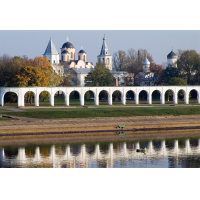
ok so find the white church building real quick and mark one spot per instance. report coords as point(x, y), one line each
point(66, 61)
point(61, 63)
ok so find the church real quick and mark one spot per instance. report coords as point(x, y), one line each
point(60, 66)
point(67, 62)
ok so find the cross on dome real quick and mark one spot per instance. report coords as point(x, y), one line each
point(67, 39)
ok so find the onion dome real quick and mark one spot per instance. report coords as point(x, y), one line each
point(146, 62)
point(81, 51)
point(171, 55)
point(65, 51)
point(67, 45)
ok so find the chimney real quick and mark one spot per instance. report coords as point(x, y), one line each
point(116, 82)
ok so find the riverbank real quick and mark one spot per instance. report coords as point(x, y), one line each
point(100, 128)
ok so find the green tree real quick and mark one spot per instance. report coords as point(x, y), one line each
point(189, 64)
point(167, 74)
point(99, 76)
point(178, 81)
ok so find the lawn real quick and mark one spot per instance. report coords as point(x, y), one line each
point(51, 113)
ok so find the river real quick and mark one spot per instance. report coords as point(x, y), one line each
point(165, 153)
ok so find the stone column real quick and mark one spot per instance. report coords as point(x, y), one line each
point(51, 100)
point(198, 98)
point(175, 96)
point(149, 98)
point(110, 98)
point(96, 99)
point(136, 98)
point(66, 99)
point(123, 99)
point(20, 98)
point(81, 96)
point(1, 100)
point(37, 95)
point(186, 98)
point(162, 98)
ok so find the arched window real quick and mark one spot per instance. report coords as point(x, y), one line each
point(84, 57)
point(67, 58)
point(107, 61)
point(71, 55)
point(62, 58)
point(79, 57)
point(103, 60)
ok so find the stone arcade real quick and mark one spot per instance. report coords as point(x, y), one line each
point(21, 91)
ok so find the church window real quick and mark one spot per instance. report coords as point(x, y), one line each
point(84, 57)
point(107, 61)
point(103, 60)
point(54, 61)
point(106, 52)
point(67, 58)
point(62, 58)
point(79, 57)
point(71, 55)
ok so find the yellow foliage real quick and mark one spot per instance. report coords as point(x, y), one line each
point(31, 76)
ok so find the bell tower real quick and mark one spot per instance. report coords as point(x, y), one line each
point(104, 56)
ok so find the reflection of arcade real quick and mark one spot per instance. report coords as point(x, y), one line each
point(81, 158)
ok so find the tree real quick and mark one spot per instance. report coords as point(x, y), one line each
point(9, 67)
point(178, 81)
point(30, 76)
point(189, 64)
point(99, 76)
point(167, 74)
point(120, 61)
point(157, 70)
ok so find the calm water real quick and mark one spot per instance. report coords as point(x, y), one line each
point(169, 153)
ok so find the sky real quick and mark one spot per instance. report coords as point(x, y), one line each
point(157, 42)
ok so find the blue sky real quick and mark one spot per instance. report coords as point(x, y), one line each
point(157, 42)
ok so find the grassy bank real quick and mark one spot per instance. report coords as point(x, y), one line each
point(52, 113)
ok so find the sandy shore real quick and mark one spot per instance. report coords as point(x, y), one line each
point(101, 128)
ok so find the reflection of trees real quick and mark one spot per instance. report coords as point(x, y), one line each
point(90, 148)
point(102, 163)
point(45, 151)
point(30, 151)
point(60, 149)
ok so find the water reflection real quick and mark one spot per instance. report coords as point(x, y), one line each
point(160, 153)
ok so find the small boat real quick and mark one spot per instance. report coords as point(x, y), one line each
point(121, 133)
point(142, 150)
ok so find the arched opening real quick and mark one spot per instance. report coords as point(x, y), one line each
point(29, 99)
point(44, 98)
point(74, 98)
point(193, 97)
point(169, 97)
point(89, 98)
point(59, 98)
point(68, 58)
point(143, 97)
point(155, 97)
point(107, 61)
point(10, 99)
point(71, 55)
point(181, 94)
point(116, 97)
point(130, 96)
point(103, 60)
point(103, 97)
point(84, 57)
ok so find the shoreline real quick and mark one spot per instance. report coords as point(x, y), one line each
point(100, 128)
